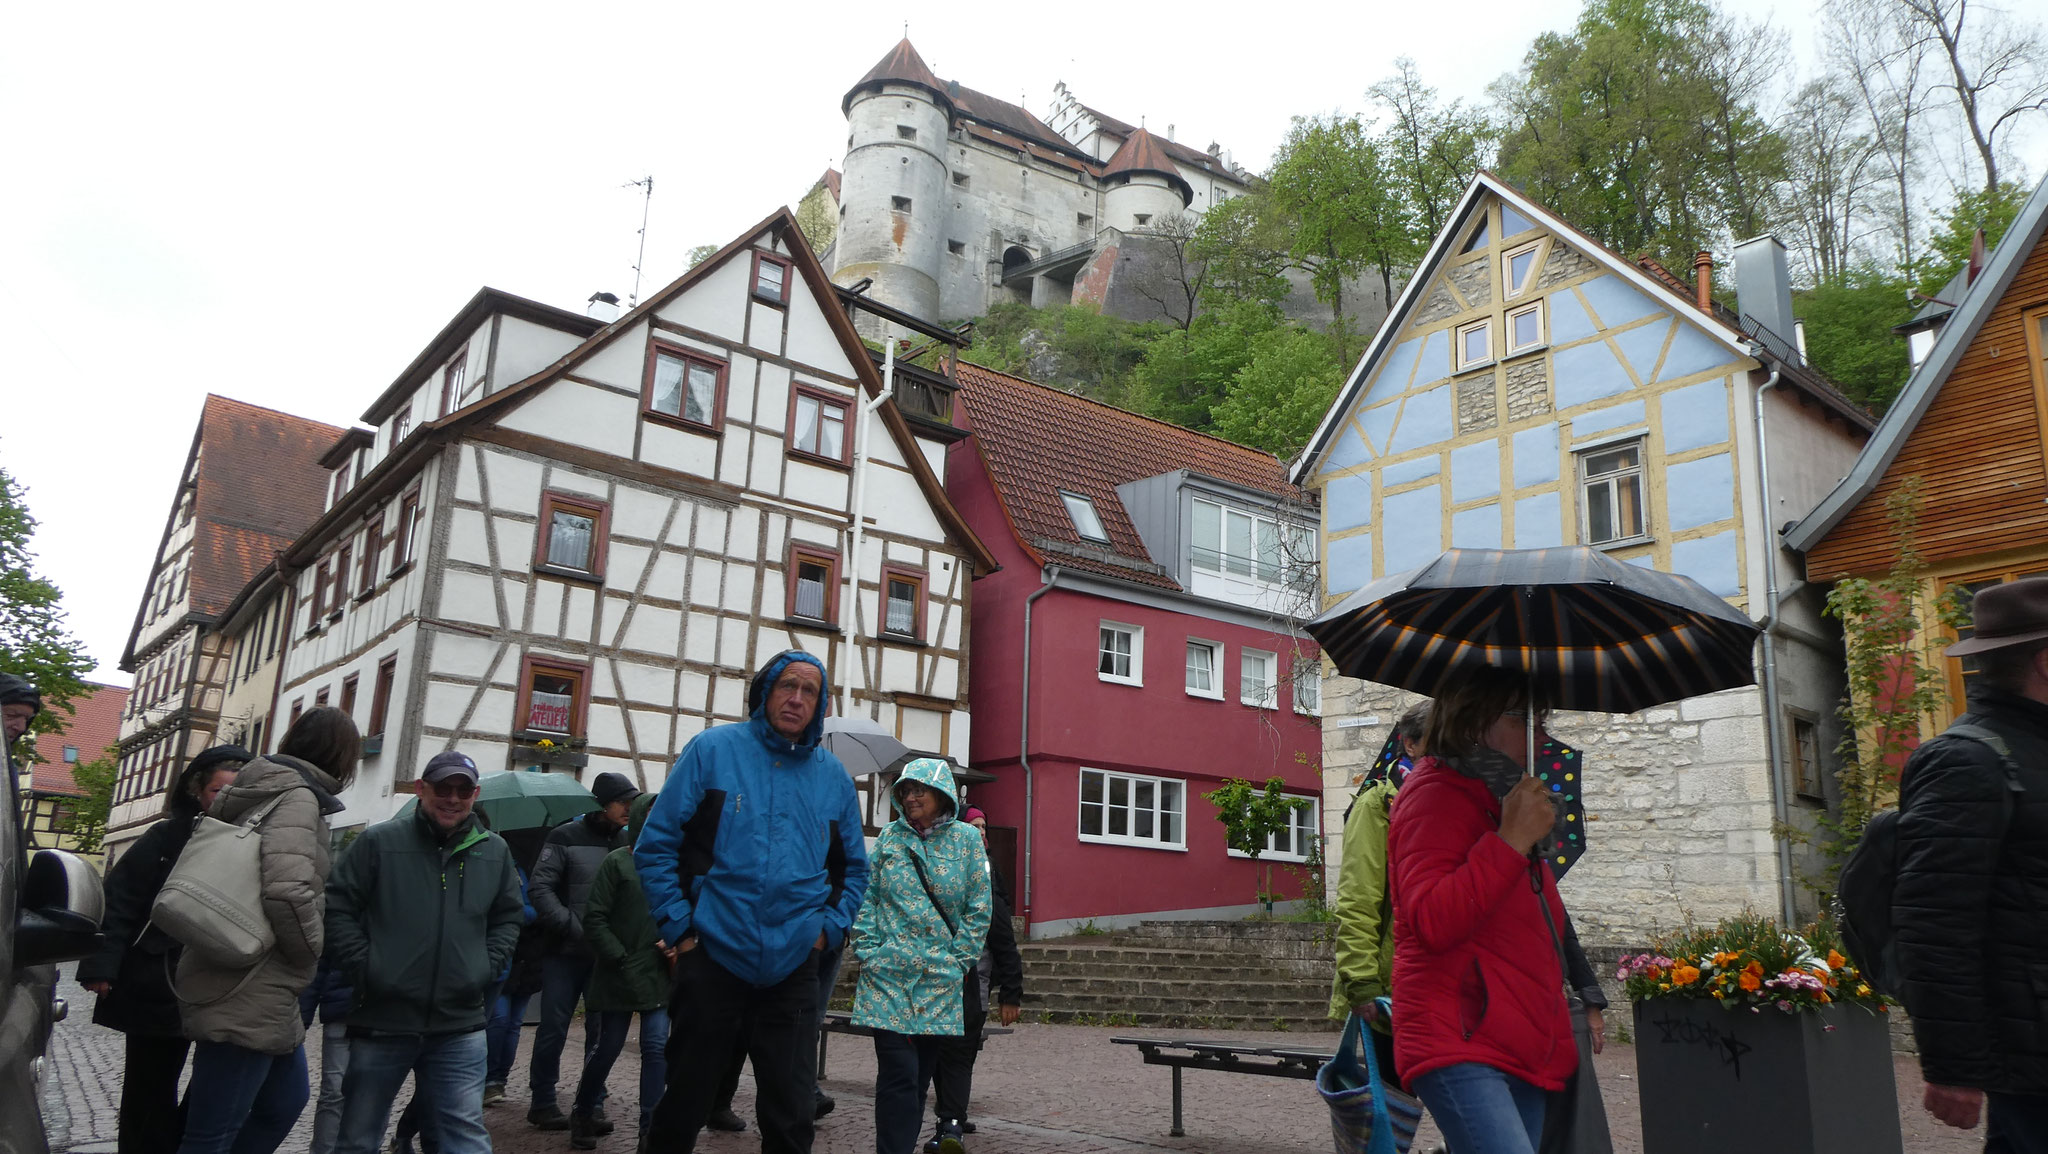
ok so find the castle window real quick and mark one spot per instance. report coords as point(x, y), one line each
point(959, 180)
point(1143, 219)
point(899, 203)
point(905, 132)
point(1083, 220)
point(957, 247)
point(683, 387)
point(771, 278)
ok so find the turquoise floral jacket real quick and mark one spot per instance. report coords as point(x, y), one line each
point(911, 961)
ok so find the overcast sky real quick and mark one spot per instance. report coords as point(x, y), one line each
point(282, 207)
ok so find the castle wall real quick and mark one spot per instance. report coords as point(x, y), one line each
point(894, 186)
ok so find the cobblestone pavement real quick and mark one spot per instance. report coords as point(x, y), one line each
point(1040, 1090)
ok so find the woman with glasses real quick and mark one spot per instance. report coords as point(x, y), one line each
point(249, 1067)
point(918, 938)
point(1482, 1033)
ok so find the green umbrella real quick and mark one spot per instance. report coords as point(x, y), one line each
point(524, 799)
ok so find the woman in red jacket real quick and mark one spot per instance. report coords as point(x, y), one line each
point(1481, 1030)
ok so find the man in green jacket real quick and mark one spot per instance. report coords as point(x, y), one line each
point(422, 912)
point(1364, 945)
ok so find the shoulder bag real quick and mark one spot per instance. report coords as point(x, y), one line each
point(212, 902)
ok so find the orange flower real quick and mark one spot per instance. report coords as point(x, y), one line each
point(1653, 972)
point(1685, 975)
point(1752, 978)
point(1722, 959)
point(1836, 961)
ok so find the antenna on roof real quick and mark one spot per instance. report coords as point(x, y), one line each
point(646, 184)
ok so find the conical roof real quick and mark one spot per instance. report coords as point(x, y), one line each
point(1144, 152)
point(901, 66)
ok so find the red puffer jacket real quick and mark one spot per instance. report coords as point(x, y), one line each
point(1476, 974)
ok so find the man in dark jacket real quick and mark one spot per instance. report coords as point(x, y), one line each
point(422, 915)
point(1973, 885)
point(753, 865)
point(559, 892)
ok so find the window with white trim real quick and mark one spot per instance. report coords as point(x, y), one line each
point(1473, 346)
point(1308, 687)
point(1611, 494)
point(1121, 654)
point(1126, 809)
point(1205, 669)
point(1525, 328)
point(1518, 270)
point(1255, 678)
point(1292, 843)
point(1245, 544)
point(1082, 511)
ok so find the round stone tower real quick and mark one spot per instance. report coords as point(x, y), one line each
point(1144, 186)
point(893, 194)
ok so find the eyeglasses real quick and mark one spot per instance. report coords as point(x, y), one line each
point(453, 787)
point(912, 789)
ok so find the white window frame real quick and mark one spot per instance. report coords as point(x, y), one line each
point(1293, 545)
point(1308, 674)
point(1584, 456)
point(1459, 363)
point(1508, 329)
point(1509, 289)
point(1270, 699)
point(1137, 653)
point(1215, 650)
point(1086, 518)
point(1131, 782)
point(1308, 824)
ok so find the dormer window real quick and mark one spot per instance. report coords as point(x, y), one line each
point(452, 380)
point(341, 482)
point(1086, 522)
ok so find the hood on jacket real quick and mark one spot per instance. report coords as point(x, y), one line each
point(757, 694)
point(636, 817)
point(267, 776)
point(937, 774)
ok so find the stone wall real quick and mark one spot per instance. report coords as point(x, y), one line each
point(1678, 806)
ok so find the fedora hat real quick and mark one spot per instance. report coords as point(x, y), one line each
point(2014, 613)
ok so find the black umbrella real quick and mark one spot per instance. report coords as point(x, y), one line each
point(1593, 633)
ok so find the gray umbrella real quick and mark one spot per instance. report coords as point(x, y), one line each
point(863, 746)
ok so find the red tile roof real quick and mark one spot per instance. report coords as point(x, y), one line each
point(1037, 441)
point(1143, 152)
point(260, 484)
point(1181, 152)
point(91, 728)
point(901, 66)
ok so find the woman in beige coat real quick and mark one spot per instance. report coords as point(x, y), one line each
point(249, 1067)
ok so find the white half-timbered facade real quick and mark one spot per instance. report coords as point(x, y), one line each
point(569, 541)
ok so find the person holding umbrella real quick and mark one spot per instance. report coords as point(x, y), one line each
point(1481, 1029)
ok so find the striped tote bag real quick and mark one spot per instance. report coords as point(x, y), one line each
point(1367, 1115)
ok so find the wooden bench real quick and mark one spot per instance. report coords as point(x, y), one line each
point(841, 1022)
point(1228, 1057)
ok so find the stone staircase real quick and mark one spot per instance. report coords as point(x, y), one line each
point(1185, 976)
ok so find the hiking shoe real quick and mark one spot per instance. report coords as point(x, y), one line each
point(582, 1132)
point(600, 1123)
point(948, 1138)
point(547, 1118)
point(966, 1127)
point(822, 1106)
point(724, 1119)
point(494, 1093)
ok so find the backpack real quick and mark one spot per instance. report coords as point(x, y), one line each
point(1863, 894)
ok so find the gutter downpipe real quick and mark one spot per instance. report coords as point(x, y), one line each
point(849, 606)
point(1052, 577)
point(1773, 725)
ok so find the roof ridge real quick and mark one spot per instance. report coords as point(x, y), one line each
point(1127, 412)
point(225, 399)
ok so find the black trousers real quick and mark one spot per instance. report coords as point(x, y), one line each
point(151, 1120)
point(711, 1012)
point(954, 1081)
point(904, 1064)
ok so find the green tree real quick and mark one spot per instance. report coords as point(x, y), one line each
point(1955, 233)
point(1074, 347)
point(1250, 817)
point(88, 818)
point(1849, 333)
point(1641, 125)
point(1187, 373)
point(1279, 397)
point(35, 642)
point(1242, 244)
point(1331, 183)
point(1433, 149)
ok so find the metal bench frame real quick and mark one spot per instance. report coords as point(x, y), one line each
point(1228, 1057)
point(841, 1022)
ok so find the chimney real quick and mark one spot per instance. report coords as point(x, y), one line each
point(1977, 257)
point(1703, 280)
point(603, 306)
point(1763, 292)
point(1169, 132)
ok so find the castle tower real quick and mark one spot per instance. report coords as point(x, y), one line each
point(1144, 186)
point(893, 188)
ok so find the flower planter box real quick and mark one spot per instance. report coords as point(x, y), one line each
point(1715, 1080)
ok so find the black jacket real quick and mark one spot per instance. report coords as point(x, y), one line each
point(136, 956)
point(561, 879)
point(1007, 965)
point(1971, 905)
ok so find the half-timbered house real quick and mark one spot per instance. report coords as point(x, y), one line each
point(568, 540)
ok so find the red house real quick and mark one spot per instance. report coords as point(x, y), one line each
point(1139, 646)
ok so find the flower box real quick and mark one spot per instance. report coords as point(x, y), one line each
point(1718, 1078)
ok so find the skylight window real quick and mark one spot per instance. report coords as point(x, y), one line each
point(1082, 510)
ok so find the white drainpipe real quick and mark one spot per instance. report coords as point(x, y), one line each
point(849, 601)
point(1773, 725)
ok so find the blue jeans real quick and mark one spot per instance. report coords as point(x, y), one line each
point(333, 1067)
point(563, 978)
point(1482, 1110)
point(447, 1069)
point(248, 1102)
point(2015, 1124)
point(612, 1026)
point(508, 1014)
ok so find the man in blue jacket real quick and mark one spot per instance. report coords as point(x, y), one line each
point(753, 865)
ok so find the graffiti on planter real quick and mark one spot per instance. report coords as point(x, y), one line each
point(1673, 1031)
